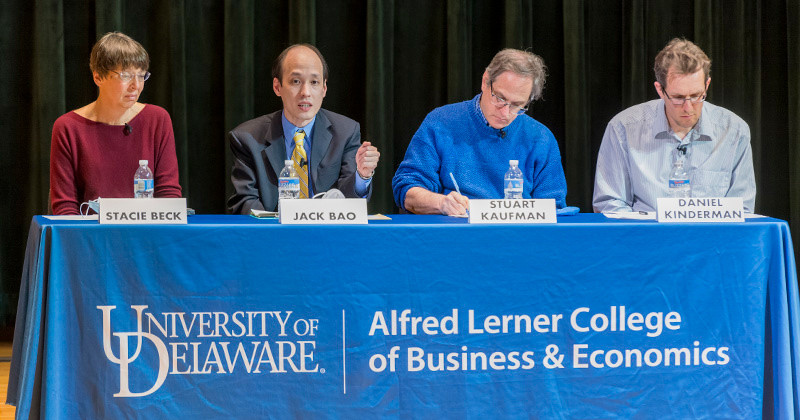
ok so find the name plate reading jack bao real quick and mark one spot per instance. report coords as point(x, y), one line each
point(541, 210)
point(332, 211)
point(708, 209)
point(142, 211)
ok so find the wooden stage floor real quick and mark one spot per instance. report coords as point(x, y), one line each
point(6, 411)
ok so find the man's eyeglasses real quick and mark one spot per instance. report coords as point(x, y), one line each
point(500, 103)
point(681, 101)
point(127, 76)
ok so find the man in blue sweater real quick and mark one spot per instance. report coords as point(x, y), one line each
point(474, 141)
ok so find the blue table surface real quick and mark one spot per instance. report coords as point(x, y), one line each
point(737, 288)
point(405, 219)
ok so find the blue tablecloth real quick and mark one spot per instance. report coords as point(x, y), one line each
point(420, 316)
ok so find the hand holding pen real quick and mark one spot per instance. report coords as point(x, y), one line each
point(454, 204)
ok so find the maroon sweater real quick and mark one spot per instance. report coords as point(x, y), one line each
point(90, 159)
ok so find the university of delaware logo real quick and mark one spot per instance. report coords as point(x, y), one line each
point(125, 358)
point(207, 343)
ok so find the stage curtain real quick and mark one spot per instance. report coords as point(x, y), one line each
point(391, 63)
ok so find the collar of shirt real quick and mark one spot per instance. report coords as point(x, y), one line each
point(288, 135)
point(702, 130)
point(478, 108)
point(499, 132)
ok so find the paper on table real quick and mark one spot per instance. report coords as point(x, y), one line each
point(753, 216)
point(651, 215)
point(74, 217)
point(263, 213)
point(631, 215)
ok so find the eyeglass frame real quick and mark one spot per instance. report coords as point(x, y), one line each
point(503, 103)
point(139, 77)
point(692, 99)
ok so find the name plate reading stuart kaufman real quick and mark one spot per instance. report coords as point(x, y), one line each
point(335, 211)
point(708, 209)
point(142, 211)
point(541, 210)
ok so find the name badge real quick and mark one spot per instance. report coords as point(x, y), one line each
point(142, 211)
point(541, 210)
point(707, 209)
point(332, 211)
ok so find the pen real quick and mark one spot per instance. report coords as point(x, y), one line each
point(456, 185)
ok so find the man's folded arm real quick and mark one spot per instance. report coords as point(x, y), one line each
point(743, 178)
point(243, 177)
point(550, 182)
point(419, 168)
point(612, 186)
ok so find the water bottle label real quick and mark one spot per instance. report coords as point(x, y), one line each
point(291, 184)
point(142, 185)
point(513, 186)
point(678, 183)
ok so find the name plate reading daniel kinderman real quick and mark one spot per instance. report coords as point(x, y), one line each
point(707, 209)
point(542, 210)
point(333, 211)
point(142, 211)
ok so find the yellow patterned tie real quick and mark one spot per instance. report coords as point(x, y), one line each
point(299, 156)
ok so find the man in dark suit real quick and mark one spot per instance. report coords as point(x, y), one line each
point(325, 147)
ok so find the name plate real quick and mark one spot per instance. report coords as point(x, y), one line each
point(708, 209)
point(332, 211)
point(143, 211)
point(542, 210)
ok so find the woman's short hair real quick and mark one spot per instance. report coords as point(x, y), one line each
point(682, 57)
point(523, 63)
point(116, 50)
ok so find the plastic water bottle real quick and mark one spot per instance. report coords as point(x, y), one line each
point(143, 184)
point(679, 184)
point(288, 182)
point(513, 181)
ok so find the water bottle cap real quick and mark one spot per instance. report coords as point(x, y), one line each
point(513, 162)
point(143, 162)
point(288, 162)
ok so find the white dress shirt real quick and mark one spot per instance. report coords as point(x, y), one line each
point(639, 146)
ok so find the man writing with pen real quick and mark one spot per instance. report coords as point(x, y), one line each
point(469, 144)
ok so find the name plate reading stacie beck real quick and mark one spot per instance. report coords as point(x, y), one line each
point(541, 210)
point(143, 211)
point(332, 211)
point(695, 209)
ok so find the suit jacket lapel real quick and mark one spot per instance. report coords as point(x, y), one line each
point(274, 146)
point(320, 143)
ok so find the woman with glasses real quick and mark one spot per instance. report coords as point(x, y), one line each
point(95, 150)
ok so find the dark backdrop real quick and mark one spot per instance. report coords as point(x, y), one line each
point(391, 63)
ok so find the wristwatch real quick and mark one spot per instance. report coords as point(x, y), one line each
point(367, 178)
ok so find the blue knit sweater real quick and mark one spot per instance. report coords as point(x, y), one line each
point(456, 138)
